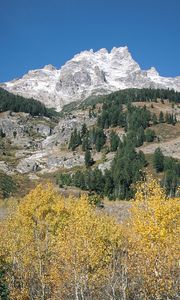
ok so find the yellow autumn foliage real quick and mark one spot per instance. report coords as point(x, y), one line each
point(154, 242)
point(56, 248)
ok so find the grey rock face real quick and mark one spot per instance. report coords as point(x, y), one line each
point(43, 130)
point(62, 132)
point(30, 164)
point(22, 131)
point(15, 128)
point(36, 148)
point(85, 74)
point(5, 168)
point(49, 161)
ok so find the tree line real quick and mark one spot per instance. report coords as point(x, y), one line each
point(113, 115)
point(135, 121)
point(16, 103)
point(116, 183)
point(134, 95)
point(171, 171)
point(127, 165)
point(7, 185)
point(87, 138)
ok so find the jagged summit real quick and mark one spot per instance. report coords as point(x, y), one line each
point(152, 72)
point(49, 67)
point(89, 72)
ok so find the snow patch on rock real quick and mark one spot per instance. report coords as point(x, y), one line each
point(85, 74)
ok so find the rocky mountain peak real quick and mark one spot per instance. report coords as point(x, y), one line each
point(122, 50)
point(89, 72)
point(152, 72)
point(49, 67)
point(102, 51)
point(121, 53)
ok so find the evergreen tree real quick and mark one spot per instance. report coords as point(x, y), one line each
point(114, 141)
point(154, 119)
point(75, 140)
point(142, 158)
point(161, 117)
point(169, 163)
point(84, 130)
point(139, 137)
point(108, 184)
point(158, 160)
point(98, 181)
point(72, 142)
point(79, 141)
point(78, 180)
point(86, 144)
point(64, 179)
point(149, 135)
point(126, 170)
point(7, 185)
point(100, 139)
point(88, 159)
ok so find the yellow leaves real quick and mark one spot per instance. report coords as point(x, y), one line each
point(56, 243)
point(153, 215)
point(149, 188)
point(154, 236)
point(85, 245)
point(64, 249)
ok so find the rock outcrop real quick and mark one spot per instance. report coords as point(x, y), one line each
point(86, 74)
point(37, 145)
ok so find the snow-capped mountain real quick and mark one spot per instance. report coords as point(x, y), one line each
point(85, 74)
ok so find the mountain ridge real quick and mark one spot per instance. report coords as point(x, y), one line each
point(88, 73)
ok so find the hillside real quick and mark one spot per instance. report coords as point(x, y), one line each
point(62, 235)
point(16, 103)
point(33, 148)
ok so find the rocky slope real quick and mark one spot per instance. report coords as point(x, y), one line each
point(37, 145)
point(33, 149)
point(86, 74)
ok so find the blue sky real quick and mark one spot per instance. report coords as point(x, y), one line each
point(34, 33)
